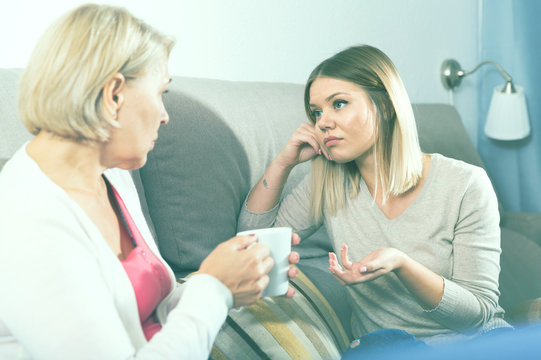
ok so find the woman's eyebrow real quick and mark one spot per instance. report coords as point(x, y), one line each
point(330, 97)
point(335, 94)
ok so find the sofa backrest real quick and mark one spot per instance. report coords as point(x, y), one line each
point(220, 138)
point(12, 131)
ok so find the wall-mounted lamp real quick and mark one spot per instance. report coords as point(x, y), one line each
point(507, 117)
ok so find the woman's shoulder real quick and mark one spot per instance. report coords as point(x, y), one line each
point(459, 176)
point(21, 178)
point(454, 168)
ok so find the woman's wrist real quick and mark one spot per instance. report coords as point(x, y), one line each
point(402, 262)
point(276, 174)
point(281, 165)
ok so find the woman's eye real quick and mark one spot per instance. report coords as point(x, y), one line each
point(338, 104)
point(316, 113)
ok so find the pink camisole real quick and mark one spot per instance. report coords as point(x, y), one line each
point(148, 275)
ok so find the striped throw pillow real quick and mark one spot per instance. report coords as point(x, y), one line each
point(304, 327)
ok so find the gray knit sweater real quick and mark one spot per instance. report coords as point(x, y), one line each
point(452, 228)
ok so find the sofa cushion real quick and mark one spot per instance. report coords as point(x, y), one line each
point(526, 313)
point(10, 125)
point(519, 277)
point(2, 162)
point(441, 131)
point(209, 156)
point(305, 327)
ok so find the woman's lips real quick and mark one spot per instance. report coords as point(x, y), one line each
point(330, 141)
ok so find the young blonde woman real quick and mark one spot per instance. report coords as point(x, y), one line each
point(417, 234)
point(80, 274)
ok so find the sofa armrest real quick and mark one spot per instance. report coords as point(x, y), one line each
point(527, 224)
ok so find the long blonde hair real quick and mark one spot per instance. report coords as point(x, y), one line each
point(61, 87)
point(397, 153)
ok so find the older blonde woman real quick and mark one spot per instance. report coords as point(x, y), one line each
point(422, 230)
point(80, 274)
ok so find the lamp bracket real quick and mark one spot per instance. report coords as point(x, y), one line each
point(452, 74)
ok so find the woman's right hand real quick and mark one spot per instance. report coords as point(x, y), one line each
point(243, 270)
point(301, 146)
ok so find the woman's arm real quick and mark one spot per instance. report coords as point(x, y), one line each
point(469, 298)
point(424, 284)
point(301, 146)
point(66, 296)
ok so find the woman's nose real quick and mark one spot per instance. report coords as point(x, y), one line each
point(164, 117)
point(325, 122)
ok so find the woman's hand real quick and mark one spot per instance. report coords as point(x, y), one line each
point(372, 266)
point(293, 259)
point(301, 146)
point(240, 267)
point(243, 265)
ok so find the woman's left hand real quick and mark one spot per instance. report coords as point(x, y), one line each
point(293, 259)
point(372, 266)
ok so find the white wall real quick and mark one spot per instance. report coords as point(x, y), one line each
point(282, 40)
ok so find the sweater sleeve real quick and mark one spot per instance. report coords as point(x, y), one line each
point(471, 295)
point(293, 211)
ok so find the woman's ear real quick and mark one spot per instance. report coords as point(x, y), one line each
point(113, 97)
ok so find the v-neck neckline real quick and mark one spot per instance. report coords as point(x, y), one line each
point(379, 213)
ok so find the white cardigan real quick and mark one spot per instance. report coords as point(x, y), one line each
point(65, 295)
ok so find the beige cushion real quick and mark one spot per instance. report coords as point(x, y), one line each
point(305, 327)
point(526, 313)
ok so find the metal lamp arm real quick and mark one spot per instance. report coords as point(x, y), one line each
point(452, 74)
point(500, 69)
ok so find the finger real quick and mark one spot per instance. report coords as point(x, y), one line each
point(290, 293)
point(332, 256)
point(309, 136)
point(267, 264)
point(325, 152)
point(335, 266)
point(259, 250)
point(371, 275)
point(294, 257)
point(342, 282)
point(262, 284)
point(333, 261)
point(370, 267)
point(241, 242)
point(308, 145)
point(344, 256)
point(292, 272)
point(295, 239)
point(321, 149)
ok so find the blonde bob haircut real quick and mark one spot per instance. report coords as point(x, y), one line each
point(61, 87)
point(397, 155)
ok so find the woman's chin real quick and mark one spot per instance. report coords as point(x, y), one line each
point(133, 164)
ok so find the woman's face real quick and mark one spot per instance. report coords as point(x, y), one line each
point(140, 116)
point(344, 121)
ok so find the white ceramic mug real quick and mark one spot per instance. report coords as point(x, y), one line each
point(278, 240)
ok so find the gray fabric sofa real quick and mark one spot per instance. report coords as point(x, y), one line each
point(220, 138)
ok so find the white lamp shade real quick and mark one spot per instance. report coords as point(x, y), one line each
point(507, 117)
